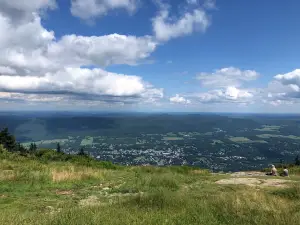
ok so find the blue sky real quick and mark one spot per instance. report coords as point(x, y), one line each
point(151, 55)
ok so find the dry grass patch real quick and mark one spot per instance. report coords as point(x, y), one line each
point(201, 172)
point(254, 200)
point(72, 173)
point(7, 175)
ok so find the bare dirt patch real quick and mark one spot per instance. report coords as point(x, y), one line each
point(249, 174)
point(69, 192)
point(255, 182)
point(90, 201)
point(71, 174)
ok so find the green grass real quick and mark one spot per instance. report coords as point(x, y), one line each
point(34, 191)
point(172, 138)
point(214, 142)
point(46, 142)
point(87, 141)
point(266, 136)
point(268, 128)
point(245, 140)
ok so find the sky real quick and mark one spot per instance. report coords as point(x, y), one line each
point(150, 55)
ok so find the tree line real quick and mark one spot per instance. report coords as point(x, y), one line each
point(8, 141)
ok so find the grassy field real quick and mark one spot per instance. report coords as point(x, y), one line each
point(46, 142)
point(60, 193)
point(245, 140)
point(214, 142)
point(266, 136)
point(267, 128)
point(172, 138)
point(87, 141)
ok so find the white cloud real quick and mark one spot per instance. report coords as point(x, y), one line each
point(12, 96)
point(36, 67)
point(283, 90)
point(18, 10)
point(23, 46)
point(7, 70)
point(233, 93)
point(76, 80)
point(292, 79)
point(229, 95)
point(166, 28)
point(230, 76)
point(30, 48)
point(28, 5)
point(179, 99)
point(27, 35)
point(90, 9)
point(210, 4)
point(101, 50)
point(192, 2)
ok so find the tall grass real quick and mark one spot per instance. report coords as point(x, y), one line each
point(34, 191)
point(165, 207)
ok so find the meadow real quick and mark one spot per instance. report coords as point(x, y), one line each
point(47, 190)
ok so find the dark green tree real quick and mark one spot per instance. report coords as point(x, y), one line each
point(58, 148)
point(32, 148)
point(281, 162)
point(81, 152)
point(20, 148)
point(7, 140)
point(297, 161)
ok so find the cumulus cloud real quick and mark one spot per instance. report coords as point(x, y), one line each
point(37, 67)
point(18, 11)
point(7, 70)
point(179, 99)
point(23, 46)
point(224, 77)
point(284, 89)
point(209, 4)
point(229, 95)
point(12, 96)
point(30, 47)
point(78, 81)
point(90, 9)
point(166, 28)
point(291, 79)
point(101, 50)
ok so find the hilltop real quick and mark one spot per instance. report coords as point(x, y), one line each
point(43, 189)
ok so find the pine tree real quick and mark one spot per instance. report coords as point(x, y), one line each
point(297, 161)
point(32, 147)
point(81, 152)
point(7, 140)
point(58, 148)
point(21, 149)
